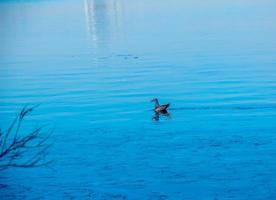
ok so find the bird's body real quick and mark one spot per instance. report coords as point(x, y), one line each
point(160, 108)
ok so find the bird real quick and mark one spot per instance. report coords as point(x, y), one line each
point(160, 108)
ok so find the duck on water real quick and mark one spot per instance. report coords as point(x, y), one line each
point(159, 108)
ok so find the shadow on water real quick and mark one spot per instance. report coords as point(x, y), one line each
point(157, 115)
point(166, 114)
point(241, 107)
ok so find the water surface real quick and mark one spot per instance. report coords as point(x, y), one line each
point(93, 66)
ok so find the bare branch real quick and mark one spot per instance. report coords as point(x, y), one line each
point(28, 150)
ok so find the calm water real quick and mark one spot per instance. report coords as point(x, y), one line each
point(94, 66)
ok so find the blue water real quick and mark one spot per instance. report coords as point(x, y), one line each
point(94, 65)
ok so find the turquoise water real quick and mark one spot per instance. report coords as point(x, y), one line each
point(94, 66)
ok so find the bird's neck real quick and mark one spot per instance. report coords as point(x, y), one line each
point(156, 103)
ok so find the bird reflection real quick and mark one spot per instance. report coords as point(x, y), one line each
point(157, 115)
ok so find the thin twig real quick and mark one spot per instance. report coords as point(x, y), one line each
point(15, 151)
